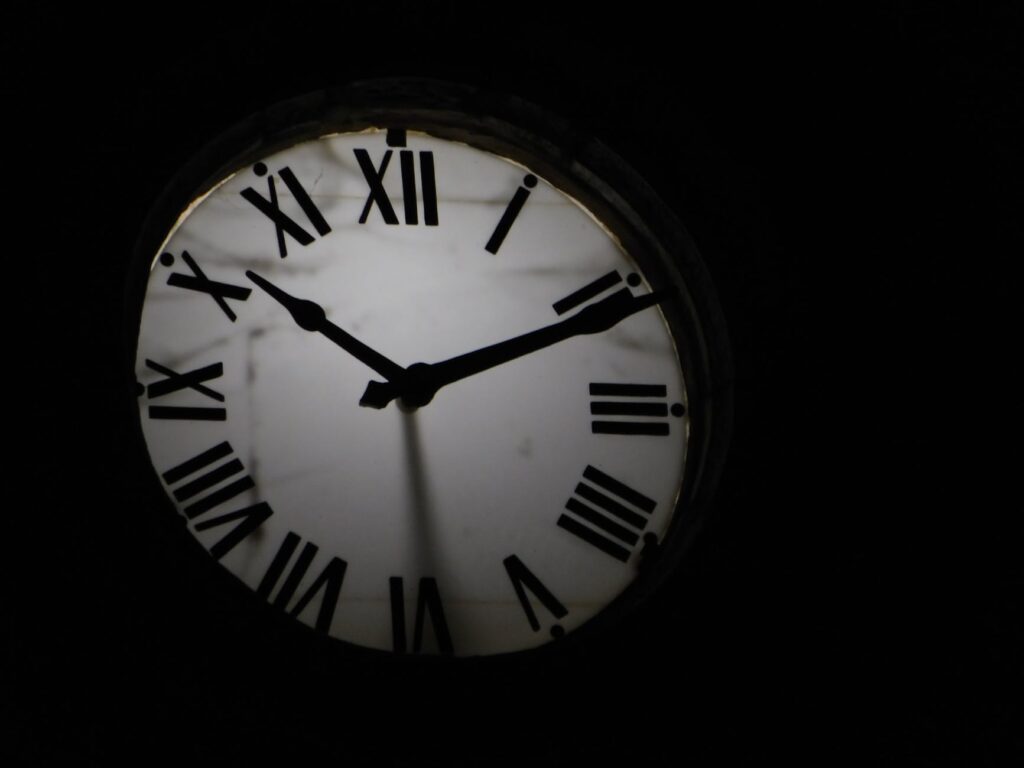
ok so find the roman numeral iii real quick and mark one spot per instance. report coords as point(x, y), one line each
point(606, 514)
point(631, 409)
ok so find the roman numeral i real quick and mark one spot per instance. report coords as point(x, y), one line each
point(512, 210)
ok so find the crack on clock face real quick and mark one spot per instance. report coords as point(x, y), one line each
point(548, 272)
point(625, 340)
point(188, 357)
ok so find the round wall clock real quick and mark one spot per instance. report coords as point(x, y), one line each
point(426, 371)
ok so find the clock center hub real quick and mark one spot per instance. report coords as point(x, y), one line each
point(418, 388)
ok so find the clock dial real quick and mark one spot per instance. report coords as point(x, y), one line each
point(413, 393)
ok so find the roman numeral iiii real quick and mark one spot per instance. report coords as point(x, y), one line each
point(606, 514)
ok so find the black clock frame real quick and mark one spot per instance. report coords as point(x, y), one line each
point(579, 165)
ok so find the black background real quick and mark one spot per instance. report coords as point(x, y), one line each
point(849, 181)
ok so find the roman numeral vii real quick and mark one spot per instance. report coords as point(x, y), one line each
point(328, 581)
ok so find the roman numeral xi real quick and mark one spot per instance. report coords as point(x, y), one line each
point(284, 224)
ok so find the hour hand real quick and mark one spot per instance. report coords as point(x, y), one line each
point(310, 316)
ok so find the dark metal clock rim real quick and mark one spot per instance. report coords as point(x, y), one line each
point(581, 166)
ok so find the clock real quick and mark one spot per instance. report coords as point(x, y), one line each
point(426, 371)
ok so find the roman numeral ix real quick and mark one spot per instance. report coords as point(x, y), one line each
point(606, 514)
point(191, 380)
point(374, 176)
point(283, 223)
point(204, 486)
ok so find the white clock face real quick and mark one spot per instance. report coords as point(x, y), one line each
point(489, 502)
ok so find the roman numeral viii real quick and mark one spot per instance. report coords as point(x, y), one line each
point(284, 224)
point(606, 514)
point(214, 477)
point(205, 486)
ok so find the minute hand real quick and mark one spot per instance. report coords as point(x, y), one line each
point(423, 381)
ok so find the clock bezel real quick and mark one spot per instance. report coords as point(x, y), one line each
point(578, 165)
